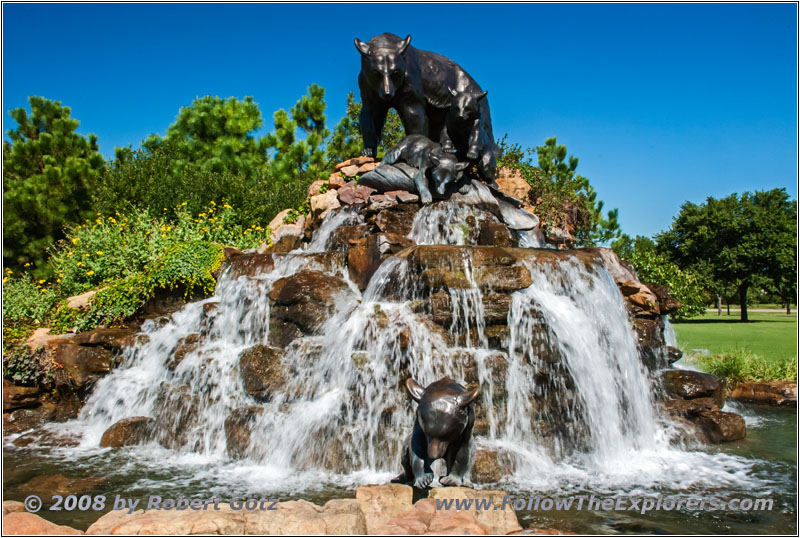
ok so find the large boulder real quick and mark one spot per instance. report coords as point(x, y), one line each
point(721, 427)
point(307, 298)
point(24, 523)
point(285, 518)
point(81, 366)
point(690, 384)
point(383, 503)
point(17, 397)
point(491, 466)
point(238, 429)
point(779, 393)
point(128, 431)
point(57, 484)
point(499, 520)
point(262, 371)
point(364, 256)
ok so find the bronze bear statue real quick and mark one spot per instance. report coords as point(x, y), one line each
point(414, 82)
point(465, 133)
point(424, 155)
point(442, 429)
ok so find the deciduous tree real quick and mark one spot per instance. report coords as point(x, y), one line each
point(737, 241)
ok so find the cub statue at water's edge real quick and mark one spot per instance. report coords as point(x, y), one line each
point(442, 429)
point(414, 82)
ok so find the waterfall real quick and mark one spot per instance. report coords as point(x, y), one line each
point(564, 392)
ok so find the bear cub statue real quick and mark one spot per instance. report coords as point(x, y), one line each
point(442, 429)
point(465, 135)
point(423, 154)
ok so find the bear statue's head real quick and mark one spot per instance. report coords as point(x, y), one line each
point(443, 413)
point(466, 105)
point(446, 170)
point(383, 63)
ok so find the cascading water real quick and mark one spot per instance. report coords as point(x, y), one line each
point(564, 394)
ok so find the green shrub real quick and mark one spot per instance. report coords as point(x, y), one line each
point(25, 299)
point(743, 365)
point(118, 246)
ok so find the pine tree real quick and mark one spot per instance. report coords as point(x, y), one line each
point(48, 172)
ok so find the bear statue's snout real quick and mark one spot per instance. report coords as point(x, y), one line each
point(436, 448)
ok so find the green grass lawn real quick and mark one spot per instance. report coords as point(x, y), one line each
point(771, 336)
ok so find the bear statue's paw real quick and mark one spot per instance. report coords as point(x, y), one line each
point(451, 481)
point(472, 154)
point(423, 481)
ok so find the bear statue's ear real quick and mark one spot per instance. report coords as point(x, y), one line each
point(462, 166)
point(404, 45)
point(466, 398)
point(414, 389)
point(434, 158)
point(452, 91)
point(482, 95)
point(362, 47)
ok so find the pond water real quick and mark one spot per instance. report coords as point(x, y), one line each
point(763, 466)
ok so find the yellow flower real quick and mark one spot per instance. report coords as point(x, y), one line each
point(79, 264)
point(212, 202)
point(99, 252)
point(163, 235)
point(201, 215)
point(226, 206)
point(89, 272)
point(28, 264)
point(112, 220)
point(9, 271)
point(5, 279)
point(184, 203)
point(44, 290)
point(75, 240)
point(58, 280)
point(42, 281)
point(165, 209)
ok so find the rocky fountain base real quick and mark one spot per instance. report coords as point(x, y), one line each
point(297, 361)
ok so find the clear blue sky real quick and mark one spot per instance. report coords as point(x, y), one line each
point(662, 103)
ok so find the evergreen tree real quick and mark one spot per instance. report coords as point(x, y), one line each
point(215, 135)
point(346, 142)
point(48, 172)
point(295, 159)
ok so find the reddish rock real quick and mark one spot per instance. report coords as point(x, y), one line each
point(336, 181)
point(355, 161)
point(495, 234)
point(667, 304)
point(365, 255)
point(402, 197)
point(491, 466)
point(238, 429)
point(307, 298)
point(24, 523)
point(381, 504)
point(251, 265)
point(81, 365)
point(41, 337)
point(113, 338)
point(397, 219)
point(721, 427)
point(689, 384)
point(262, 371)
point(510, 181)
point(352, 194)
point(315, 188)
point(782, 393)
point(57, 484)
point(16, 397)
point(128, 432)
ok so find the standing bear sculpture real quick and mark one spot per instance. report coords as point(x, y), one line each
point(416, 83)
point(442, 429)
